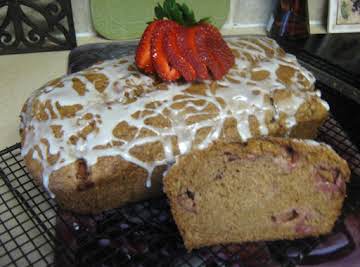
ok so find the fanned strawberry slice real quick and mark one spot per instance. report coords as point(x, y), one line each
point(188, 48)
point(218, 46)
point(159, 57)
point(174, 55)
point(143, 52)
point(206, 55)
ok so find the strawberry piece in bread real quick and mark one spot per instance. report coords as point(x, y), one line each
point(159, 57)
point(174, 55)
point(143, 52)
point(188, 48)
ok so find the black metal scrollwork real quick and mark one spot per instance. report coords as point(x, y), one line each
point(36, 25)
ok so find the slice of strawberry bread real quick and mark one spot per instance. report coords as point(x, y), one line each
point(264, 189)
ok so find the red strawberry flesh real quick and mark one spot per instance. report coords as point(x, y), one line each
point(159, 57)
point(218, 46)
point(207, 57)
point(174, 55)
point(188, 48)
point(143, 52)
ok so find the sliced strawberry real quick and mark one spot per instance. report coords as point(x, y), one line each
point(175, 56)
point(187, 47)
point(143, 52)
point(205, 51)
point(217, 45)
point(159, 58)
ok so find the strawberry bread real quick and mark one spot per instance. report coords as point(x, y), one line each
point(264, 189)
point(102, 137)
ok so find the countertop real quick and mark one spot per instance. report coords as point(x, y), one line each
point(20, 75)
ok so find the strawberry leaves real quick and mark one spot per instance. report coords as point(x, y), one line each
point(180, 13)
point(159, 12)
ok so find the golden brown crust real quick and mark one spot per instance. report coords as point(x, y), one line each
point(115, 180)
point(310, 116)
point(109, 183)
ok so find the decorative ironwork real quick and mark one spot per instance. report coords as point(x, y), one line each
point(36, 25)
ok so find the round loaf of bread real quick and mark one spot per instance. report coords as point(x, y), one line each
point(104, 136)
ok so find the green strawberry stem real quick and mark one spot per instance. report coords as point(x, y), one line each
point(180, 13)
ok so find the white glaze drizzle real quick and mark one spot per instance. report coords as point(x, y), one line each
point(113, 106)
point(312, 143)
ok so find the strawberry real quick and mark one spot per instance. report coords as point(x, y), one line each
point(176, 45)
point(159, 57)
point(187, 47)
point(175, 55)
point(143, 52)
point(207, 57)
point(218, 46)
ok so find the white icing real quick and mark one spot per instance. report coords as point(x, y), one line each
point(113, 106)
point(325, 104)
point(313, 143)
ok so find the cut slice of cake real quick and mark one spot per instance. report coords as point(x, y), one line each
point(264, 189)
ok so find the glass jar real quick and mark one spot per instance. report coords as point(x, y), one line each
point(290, 20)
